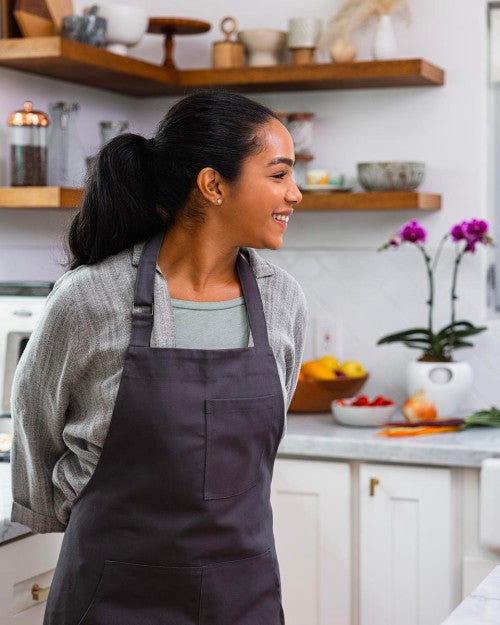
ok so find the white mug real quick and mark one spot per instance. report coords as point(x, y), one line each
point(303, 32)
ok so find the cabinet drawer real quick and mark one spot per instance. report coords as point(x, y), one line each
point(23, 563)
point(24, 596)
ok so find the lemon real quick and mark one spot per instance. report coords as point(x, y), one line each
point(352, 369)
point(330, 362)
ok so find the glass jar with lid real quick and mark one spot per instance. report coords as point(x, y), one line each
point(111, 129)
point(67, 165)
point(300, 127)
point(28, 147)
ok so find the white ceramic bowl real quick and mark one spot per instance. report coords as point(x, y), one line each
point(264, 45)
point(364, 416)
point(126, 25)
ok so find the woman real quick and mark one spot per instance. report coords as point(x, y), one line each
point(146, 418)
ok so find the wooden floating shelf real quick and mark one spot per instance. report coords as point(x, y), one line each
point(65, 59)
point(57, 197)
point(69, 60)
point(372, 200)
point(39, 197)
point(358, 75)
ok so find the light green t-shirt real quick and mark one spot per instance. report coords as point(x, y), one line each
point(211, 325)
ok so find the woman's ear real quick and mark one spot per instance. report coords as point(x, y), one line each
point(210, 185)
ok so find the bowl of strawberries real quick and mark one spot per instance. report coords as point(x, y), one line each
point(361, 411)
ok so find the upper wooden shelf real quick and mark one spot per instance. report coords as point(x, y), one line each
point(65, 59)
point(70, 60)
point(358, 75)
point(57, 197)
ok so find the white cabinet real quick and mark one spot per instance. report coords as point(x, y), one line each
point(406, 539)
point(365, 543)
point(312, 523)
point(23, 563)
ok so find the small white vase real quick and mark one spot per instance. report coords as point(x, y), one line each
point(384, 43)
point(446, 383)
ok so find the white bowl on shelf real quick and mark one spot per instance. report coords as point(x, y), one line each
point(264, 45)
point(126, 25)
point(362, 416)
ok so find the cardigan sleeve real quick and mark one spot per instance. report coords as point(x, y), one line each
point(40, 396)
point(299, 335)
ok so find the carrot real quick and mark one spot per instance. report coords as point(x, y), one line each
point(416, 431)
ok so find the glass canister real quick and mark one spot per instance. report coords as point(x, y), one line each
point(110, 129)
point(28, 147)
point(67, 165)
point(300, 127)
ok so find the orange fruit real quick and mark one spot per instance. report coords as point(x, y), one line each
point(317, 370)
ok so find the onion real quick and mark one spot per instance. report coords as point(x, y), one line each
point(418, 408)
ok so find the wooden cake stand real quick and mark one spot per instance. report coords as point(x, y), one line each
point(170, 26)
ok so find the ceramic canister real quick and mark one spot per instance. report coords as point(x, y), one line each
point(303, 32)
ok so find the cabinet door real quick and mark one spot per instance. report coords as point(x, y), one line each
point(312, 524)
point(23, 563)
point(406, 574)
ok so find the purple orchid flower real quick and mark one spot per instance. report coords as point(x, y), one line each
point(458, 231)
point(413, 232)
point(473, 231)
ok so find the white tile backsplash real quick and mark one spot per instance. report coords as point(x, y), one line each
point(378, 293)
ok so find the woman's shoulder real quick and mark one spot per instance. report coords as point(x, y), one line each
point(96, 287)
point(284, 287)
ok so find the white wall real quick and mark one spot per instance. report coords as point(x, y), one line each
point(332, 254)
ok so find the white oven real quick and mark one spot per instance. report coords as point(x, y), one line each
point(20, 306)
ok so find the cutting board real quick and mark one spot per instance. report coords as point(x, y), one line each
point(59, 9)
point(33, 18)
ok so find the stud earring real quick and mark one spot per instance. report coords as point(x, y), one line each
point(219, 201)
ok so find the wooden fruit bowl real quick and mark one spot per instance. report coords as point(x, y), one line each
point(317, 395)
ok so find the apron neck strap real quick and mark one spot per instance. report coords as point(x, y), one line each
point(143, 308)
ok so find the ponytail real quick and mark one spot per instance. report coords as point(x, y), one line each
point(119, 207)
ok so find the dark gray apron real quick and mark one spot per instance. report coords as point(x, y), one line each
point(175, 525)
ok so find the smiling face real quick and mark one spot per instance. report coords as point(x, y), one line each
point(264, 188)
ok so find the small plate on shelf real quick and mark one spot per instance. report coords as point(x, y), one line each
point(328, 188)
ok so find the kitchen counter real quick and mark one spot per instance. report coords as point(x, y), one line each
point(482, 606)
point(8, 529)
point(317, 436)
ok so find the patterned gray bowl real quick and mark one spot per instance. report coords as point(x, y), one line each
point(391, 176)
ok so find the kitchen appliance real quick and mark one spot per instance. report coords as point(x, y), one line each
point(20, 306)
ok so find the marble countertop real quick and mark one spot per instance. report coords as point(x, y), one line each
point(482, 606)
point(318, 436)
point(8, 529)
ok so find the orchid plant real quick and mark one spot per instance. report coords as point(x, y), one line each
point(438, 346)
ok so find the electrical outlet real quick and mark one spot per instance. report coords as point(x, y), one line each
point(327, 337)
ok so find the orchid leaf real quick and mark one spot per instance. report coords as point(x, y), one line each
point(412, 333)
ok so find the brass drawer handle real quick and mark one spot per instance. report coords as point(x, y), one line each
point(38, 593)
point(373, 482)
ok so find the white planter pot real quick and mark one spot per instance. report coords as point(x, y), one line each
point(384, 43)
point(446, 383)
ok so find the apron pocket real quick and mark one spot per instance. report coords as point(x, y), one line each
point(242, 592)
point(237, 432)
point(139, 594)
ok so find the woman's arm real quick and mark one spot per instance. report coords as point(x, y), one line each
point(40, 396)
point(300, 329)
